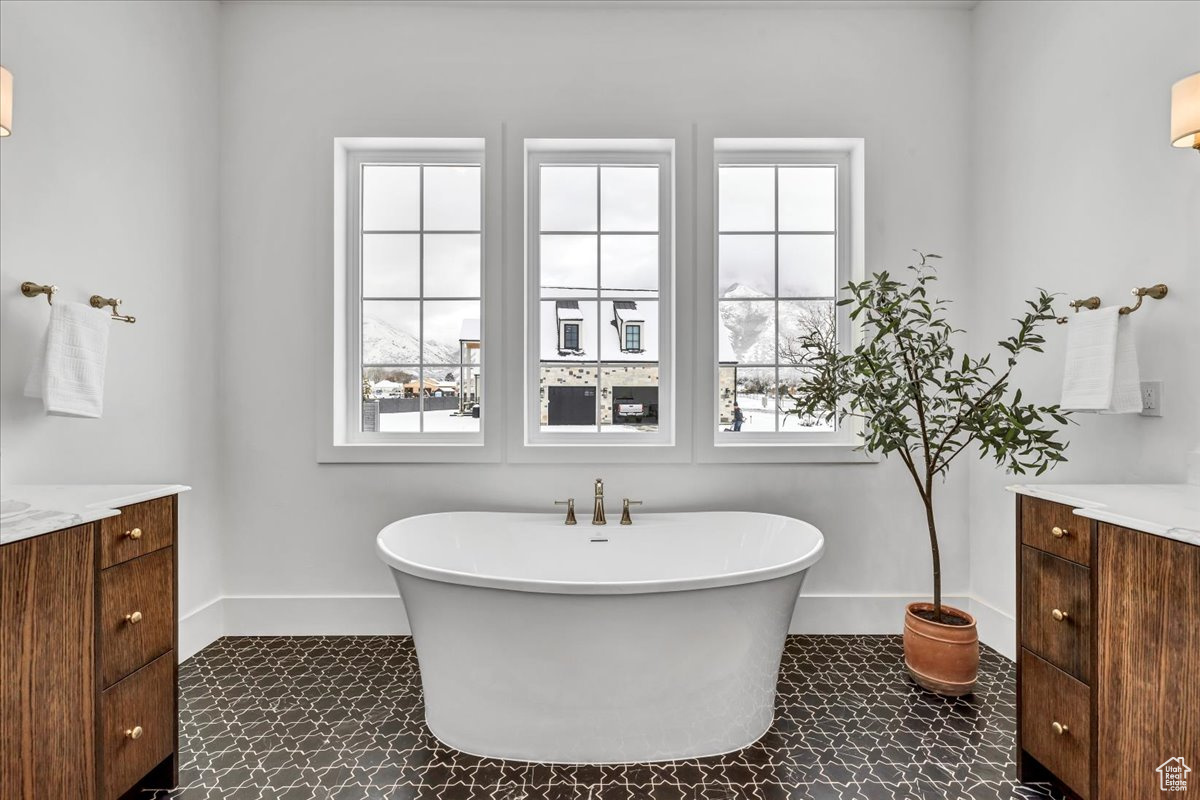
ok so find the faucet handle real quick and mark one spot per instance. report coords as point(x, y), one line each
point(570, 504)
point(625, 518)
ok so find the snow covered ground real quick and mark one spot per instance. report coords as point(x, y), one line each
point(444, 421)
point(448, 421)
point(760, 413)
point(760, 418)
point(603, 428)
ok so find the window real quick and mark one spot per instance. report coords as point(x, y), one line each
point(570, 337)
point(780, 257)
point(599, 265)
point(633, 338)
point(413, 303)
point(415, 244)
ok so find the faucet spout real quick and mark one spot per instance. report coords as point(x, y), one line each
point(598, 508)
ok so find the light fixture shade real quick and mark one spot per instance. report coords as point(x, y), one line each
point(1185, 112)
point(6, 89)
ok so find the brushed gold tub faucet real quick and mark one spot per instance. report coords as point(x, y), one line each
point(625, 518)
point(598, 509)
point(570, 504)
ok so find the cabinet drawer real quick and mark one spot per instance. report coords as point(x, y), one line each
point(1056, 613)
point(137, 614)
point(1053, 701)
point(146, 701)
point(141, 528)
point(1053, 528)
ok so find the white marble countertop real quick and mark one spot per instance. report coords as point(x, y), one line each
point(27, 511)
point(1164, 509)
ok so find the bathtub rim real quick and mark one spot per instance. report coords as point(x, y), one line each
point(442, 575)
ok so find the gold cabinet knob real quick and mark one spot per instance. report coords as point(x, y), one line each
point(1058, 532)
point(136, 732)
point(1059, 728)
point(134, 534)
point(1059, 616)
point(134, 618)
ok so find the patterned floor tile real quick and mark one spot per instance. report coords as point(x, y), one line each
point(341, 718)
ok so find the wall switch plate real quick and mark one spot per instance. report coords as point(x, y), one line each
point(1152, 398)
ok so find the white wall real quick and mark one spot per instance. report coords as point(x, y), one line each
point(1024, 142)
point(1075, 189)
point(297, 75)
point(108, 185)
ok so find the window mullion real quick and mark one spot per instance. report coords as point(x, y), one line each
point(599, 305)
point(421, 302)
point(775, 385)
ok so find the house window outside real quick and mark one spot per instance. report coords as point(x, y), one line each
point(633, 338)
point(778, 268)
point(599, 253)
point(418, 237)
point(570, 336)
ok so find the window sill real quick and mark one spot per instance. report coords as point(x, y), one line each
point(784, 453)
point(659, 452)
point(391, 453)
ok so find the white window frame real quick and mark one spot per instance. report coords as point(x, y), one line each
point(603, 152)
point(836, 446)
point(625, 326)
point(562, 334)
point(340, 436)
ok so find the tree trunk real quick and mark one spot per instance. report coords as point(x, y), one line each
point(937, 558)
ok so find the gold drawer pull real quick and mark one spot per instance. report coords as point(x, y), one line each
point(1059, 728)
point(1059, 616)
point(136, 732)
point(1059, 532)
point(134, 618)
point(134, 534)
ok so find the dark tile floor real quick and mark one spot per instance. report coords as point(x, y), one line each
point(310, 718)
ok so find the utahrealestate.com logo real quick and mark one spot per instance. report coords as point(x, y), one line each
point(1173, 775)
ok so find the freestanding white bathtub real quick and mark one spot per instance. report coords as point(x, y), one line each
point(537, 642)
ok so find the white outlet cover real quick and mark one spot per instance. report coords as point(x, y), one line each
point(1152, 398)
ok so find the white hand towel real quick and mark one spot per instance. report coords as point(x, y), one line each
point(1127, 378)
point(68, 369)
point(1101, 372)
point(1091, 358)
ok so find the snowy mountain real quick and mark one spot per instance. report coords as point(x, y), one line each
point(383, 343)
point(740, 291)
point(748, 329)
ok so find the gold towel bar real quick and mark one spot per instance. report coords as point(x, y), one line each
point(1156, 292)
point(31, 289)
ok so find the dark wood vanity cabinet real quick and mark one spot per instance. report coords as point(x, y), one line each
point(1108, 667)
point(88, 676)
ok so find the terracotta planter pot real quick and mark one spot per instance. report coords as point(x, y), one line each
point(941, 658)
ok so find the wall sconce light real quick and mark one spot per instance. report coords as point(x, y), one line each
point(5, 102)
point(1185, 112)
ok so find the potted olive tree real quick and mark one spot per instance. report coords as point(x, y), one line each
point(922, 401)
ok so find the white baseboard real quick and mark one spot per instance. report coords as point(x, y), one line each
point(201, 627)
point(857, 613)
point(997, 629)
point(378, 615)
point(309, 615)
